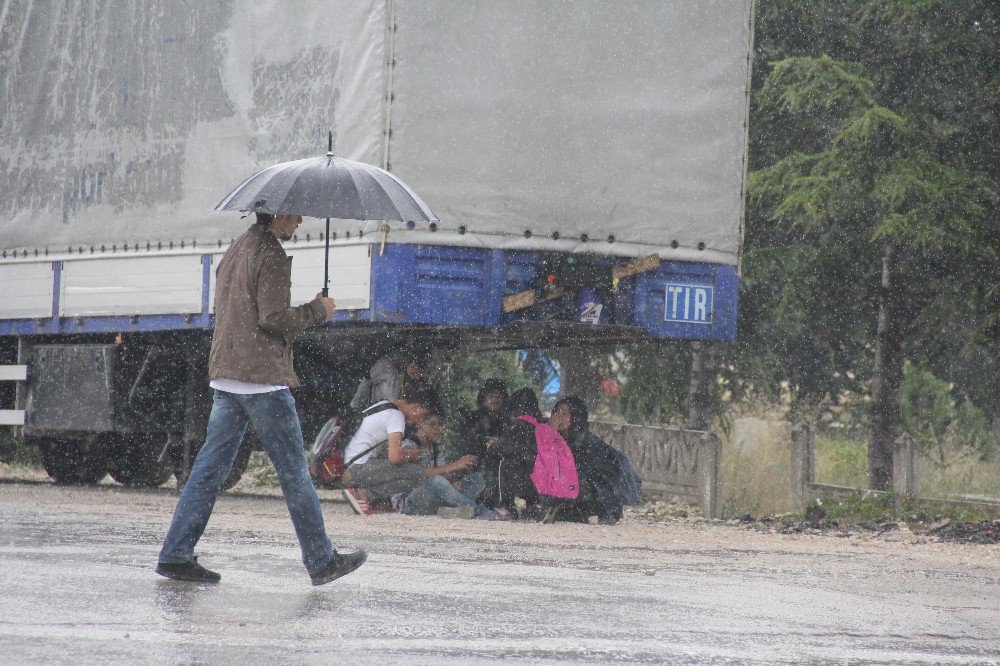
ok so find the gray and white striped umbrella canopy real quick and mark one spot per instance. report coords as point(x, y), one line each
point(328, 187)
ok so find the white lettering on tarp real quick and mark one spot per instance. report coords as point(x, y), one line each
point(688, 303)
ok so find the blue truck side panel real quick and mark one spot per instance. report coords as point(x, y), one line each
point(455, 286)
point(429, 284)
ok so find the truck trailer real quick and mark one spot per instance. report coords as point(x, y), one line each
point(586, 161)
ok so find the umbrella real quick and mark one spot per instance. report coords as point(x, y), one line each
point(328, 187)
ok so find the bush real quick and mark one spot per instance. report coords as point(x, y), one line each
point(944, 430)
point(14, 451)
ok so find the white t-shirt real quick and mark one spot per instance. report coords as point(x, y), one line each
point(374, 430)
point(243, 388)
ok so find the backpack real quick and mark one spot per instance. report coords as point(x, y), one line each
point(554, 473)
point(629, 484)
point(326, 460)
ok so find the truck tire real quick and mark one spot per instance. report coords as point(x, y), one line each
point(135, 461)
point(237, 470)
point(73, 461)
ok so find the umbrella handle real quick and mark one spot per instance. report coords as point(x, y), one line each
point(326, 255)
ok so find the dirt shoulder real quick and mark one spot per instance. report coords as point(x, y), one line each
point(647, 538)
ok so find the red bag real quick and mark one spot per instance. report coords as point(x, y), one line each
point(326, 464)
point(326, 460)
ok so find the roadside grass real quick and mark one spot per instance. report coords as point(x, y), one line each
point(968, 478)
point(864, 507)
point(756, 480)
point(841, 461)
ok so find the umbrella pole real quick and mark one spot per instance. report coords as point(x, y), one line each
point(326, 262)
point(326, 255)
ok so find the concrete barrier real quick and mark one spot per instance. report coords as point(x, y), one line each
point(676, 462)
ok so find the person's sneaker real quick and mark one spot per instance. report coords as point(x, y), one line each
point(463, 512)
point(191, 571)
point(358, 499)
point(493, 514)
point(340, 565)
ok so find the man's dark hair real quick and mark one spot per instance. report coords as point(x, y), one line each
point(418, 392)
point(492, 385)
point(417, 354)
point(524, 401)
point(434, 414)
point(264, 218)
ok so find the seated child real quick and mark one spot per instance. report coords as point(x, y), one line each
point(448, 489)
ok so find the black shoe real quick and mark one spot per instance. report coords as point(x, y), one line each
point(187, 571)
point(340, 565)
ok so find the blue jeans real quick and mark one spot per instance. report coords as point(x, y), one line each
point(277, 426)
point(437, 492)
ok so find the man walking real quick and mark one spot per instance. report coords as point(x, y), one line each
point(251, 371)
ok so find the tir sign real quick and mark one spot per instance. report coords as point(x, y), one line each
point(688, 303)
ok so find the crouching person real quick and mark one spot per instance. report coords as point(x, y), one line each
point(450, 490)
point(378, 465)
point(607, 479)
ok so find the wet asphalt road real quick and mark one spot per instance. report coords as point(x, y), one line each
point(76, 585)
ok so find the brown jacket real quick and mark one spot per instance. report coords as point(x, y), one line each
point(254, 323)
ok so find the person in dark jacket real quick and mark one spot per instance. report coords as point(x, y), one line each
point(603, 480)
point(390, 374)
point(508, 461)
point(481, 428)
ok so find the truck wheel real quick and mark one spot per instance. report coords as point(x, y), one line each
point(72, 461)
point(235, 474)
point(135, 461)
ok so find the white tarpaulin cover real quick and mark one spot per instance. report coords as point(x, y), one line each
point(126, 122)
point(577, 117)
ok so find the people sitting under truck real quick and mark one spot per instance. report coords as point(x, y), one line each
point(607, 479)
point(481, 428)
point(378, 466)
point(530, 469)
point(389, 375)
point(509, 461)
point(450, 490)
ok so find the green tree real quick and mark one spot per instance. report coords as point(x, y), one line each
point(942, 427)
point(874, 188)
point(657, 376)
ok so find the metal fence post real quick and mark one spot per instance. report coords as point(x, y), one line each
point(802, 443)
